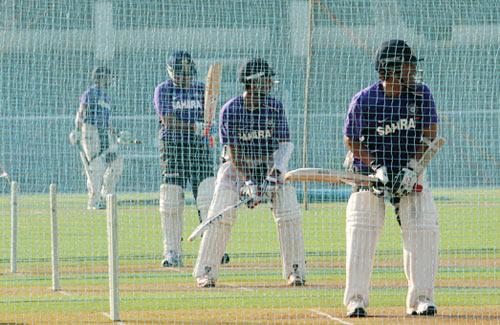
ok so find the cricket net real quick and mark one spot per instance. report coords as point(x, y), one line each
point(322, 52)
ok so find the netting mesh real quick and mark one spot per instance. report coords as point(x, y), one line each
point(322, 52)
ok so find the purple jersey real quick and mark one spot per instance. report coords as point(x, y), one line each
point(390, 127)
point(183, 104)
point(98, 107)
point(257, 133)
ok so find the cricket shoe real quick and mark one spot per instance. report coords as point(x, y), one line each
point(172, 259)
point(205, 282)
point(225, 259)
point(99, 205)
point(356, 307)
point(295, 280)
point(425, 307)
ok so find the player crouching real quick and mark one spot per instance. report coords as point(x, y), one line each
point(254, 132)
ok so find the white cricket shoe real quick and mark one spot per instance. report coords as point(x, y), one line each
point(424, 307)
point(205, 282)
point(172, 259)
point(296, 280)
point(356, 307)
point(99, 205)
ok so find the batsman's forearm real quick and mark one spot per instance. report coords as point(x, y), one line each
point(237, 161)
point(172, 123)
point(430, 134)
point(358, 150)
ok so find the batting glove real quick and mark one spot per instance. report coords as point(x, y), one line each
point(253, 192)
point(380, 174)
point(404, 182)
point(200, 128)
point(75, 137)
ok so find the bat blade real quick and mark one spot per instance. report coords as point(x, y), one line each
point(212, 92)
point(322, 175)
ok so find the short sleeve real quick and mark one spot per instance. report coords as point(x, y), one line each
point(89, 97)
point(161, 102)
point(429, 113)
point(224, 129)
point(353, 124)
point(282, 130)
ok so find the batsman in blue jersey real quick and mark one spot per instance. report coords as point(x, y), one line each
point(387, 129)
point(101, 160)
point(254, 132)
point(185, 153)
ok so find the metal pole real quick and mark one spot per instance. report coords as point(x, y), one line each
point(114, 298)
point(13, 227)
point(54, 236)
point(310, 20)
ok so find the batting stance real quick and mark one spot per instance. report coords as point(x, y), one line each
point(254, 132)
point(102, 164)
point(388, 127)
point(185, 154)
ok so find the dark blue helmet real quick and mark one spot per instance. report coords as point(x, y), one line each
point(254, 69)
point(101, 73)
point(180, 64)
point(392, 54)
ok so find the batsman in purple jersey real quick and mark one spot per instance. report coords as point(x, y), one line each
point(102, 163)
point(254, 133)
point(185, 153)
point(387, 129)
point(388, 125)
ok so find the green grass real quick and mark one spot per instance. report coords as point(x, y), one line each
point(468, 276)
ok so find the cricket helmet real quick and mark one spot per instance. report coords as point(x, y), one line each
point(180, 64)
point(392, 54)
point(101, 73)
point(254, 69)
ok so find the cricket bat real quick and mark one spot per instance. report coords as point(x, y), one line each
point(332, 176)
point(4, 174)
point(212, 94)
point(322, 175)
point(429, 153)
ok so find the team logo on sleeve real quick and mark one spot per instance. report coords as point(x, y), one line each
point(393, 127)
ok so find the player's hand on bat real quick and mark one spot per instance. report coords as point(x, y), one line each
point(200, 128)
point(75, 137)
point(272, 181)
point(380, 172)
point(254, 192)
point(404, 182)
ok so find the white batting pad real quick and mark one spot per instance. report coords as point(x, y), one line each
point(419, 224)
point(365, 216)
point(171, 209)
point(286, 211)
point(90, 141)
point(215, 238)
point(113, 172)
point(96, 169)
point(205, 194)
